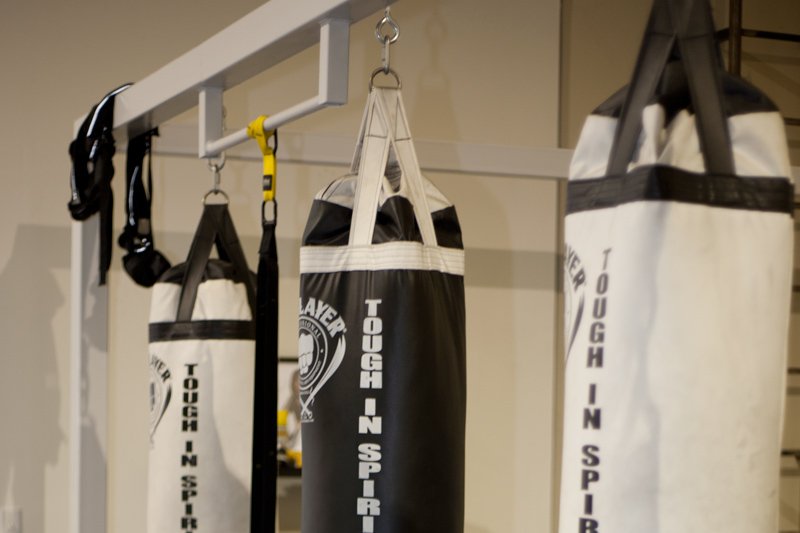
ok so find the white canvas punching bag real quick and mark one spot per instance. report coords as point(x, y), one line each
point(677, 284)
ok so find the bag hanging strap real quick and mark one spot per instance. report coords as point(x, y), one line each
point(215, 227)
point(384, 130)
point(701, 57)
point(264, 495)
point(688, 24)
point(362, 130)
point(658, 42)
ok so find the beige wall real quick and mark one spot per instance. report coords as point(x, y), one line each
point(466, 78)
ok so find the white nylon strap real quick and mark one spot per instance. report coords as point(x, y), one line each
point(372, 164)
point(354, 165)
point(385, 126)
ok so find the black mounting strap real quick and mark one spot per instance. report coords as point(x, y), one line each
point(215, 227)
point(143, 262)
point(683, 29)
point(92, 171)
point(265, 431)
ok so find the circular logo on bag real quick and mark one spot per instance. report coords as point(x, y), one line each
point(574, 296)
point(321, 348)
point(160, 392)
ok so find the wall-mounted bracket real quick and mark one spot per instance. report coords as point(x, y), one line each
point(334, 51)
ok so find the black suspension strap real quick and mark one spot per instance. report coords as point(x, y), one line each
point(143, 262)
point(265, 430)
point(92, 170)
point(680, 31)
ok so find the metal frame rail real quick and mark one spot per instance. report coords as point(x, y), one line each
point(270, 34)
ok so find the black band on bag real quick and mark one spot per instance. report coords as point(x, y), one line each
point(215, 227)
point(664, 183)
point(265, 408)
point(202, 330)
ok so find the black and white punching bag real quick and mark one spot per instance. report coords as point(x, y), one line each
point(382, 343)
point(202, 358)
point(678, 277)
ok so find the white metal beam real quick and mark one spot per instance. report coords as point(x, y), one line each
point(334, 59)
point(270, 34)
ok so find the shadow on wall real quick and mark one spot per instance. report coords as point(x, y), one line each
point(29, 394)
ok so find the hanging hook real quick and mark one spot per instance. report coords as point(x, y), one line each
point(387, 20)
point(386, 39)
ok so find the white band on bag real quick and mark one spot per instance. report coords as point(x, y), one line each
point(397, 255)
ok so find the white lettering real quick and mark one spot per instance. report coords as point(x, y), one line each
point(372, 307)
point(370, 424)
point(365, 469)
point(369, 452)
point(371, 380)
point(371, 361)
point(373, 326)
point(369, 506)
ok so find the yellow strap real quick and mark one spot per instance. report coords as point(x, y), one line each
point(256, 131)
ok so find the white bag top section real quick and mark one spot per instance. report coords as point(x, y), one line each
point(384, 166)
point(758, 140)
point(217, 299)
point(343, 190)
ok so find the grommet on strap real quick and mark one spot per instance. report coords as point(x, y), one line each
point(256, 131)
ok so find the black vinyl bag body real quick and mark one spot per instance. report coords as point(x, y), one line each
point(202, 381)
point(382, 344)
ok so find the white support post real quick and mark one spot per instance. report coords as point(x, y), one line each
point(334, 57)
point(88, 383)
point(210, 111)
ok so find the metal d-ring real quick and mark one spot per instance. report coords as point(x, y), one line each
point(215, 169)
point(390, 71)
point(218, 191)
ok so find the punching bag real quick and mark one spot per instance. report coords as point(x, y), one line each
point(202, 368)
point(678, 271)
point(382, 343)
